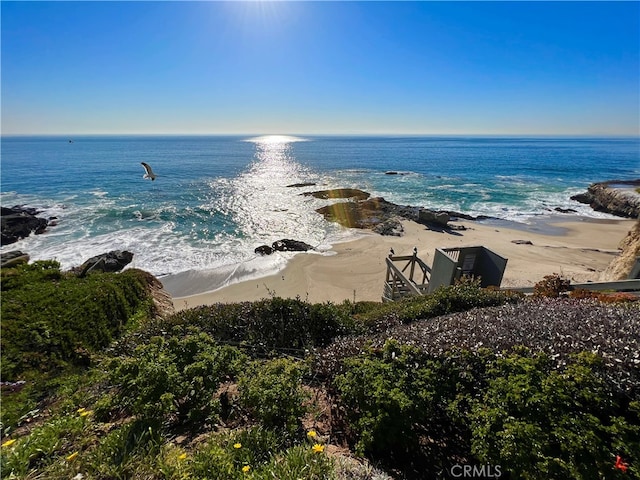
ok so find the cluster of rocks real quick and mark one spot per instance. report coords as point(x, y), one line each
point(617, 197)
point(380, 215)
point(112, 261)
point(284, 245)
point(19, 222)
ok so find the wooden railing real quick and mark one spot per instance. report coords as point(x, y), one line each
point(399, 283)
point(617, 286)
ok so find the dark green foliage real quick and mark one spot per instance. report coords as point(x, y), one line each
point(174, 380)
point(50, 319)
point(275, 324)
point(532, 416)
point(538, 421)
point(272, 392)
point(456, 298)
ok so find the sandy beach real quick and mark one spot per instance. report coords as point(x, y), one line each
point(578, 248)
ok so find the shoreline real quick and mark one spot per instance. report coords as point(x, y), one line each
point(579, 248)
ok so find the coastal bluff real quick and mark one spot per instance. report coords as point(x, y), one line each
point(617, 197)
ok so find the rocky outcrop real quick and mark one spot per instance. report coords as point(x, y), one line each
point(617, 197)
point(112, 261)
point(354, 193)
point(376, 213)
point(621, 266)
point(13, 258)
point(19, 222)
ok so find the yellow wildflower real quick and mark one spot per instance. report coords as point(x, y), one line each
point(246, 468)
point(237, 445)
point(8, 443)
point(312, 434)
point(182, 456)
point(318, 448)
point(72, 457)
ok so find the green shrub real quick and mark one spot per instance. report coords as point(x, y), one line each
point(521, 411)
point(272, 391)
point(265, 326)
point(456, 298)
point(174, 380)
point(51, 320)
point(540, 422)
point(388, 395)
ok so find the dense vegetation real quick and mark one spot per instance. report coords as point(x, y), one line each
point(51, 319)
point(284, 389)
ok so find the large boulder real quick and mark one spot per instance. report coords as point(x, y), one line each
point(431, 217)
point(19, 222)
point(617, 197)
point(13, 258)
point(288, 245)
point(112, 261)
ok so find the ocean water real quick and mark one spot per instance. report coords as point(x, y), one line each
point(217, 198)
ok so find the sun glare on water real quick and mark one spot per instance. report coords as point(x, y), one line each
point(275, 139)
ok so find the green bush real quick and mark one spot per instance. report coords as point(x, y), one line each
point(390, 396)
point(174, 380)
point(455, 298)
point(272, 391)
point(51, 320)
point(524, 412)
point(270, 325)
point(540, 422)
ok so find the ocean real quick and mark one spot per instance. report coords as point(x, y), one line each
point(216, 198)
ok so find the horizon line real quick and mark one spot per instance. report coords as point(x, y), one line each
point(327, 134)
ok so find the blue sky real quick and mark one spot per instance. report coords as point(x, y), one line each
point(321, 67)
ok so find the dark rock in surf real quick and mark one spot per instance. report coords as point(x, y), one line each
point(288, 245)
point(263, 250)
point(565, 210)
point(19, 222)
point(300, 185)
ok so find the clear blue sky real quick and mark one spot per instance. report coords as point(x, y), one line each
point(321, 67)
